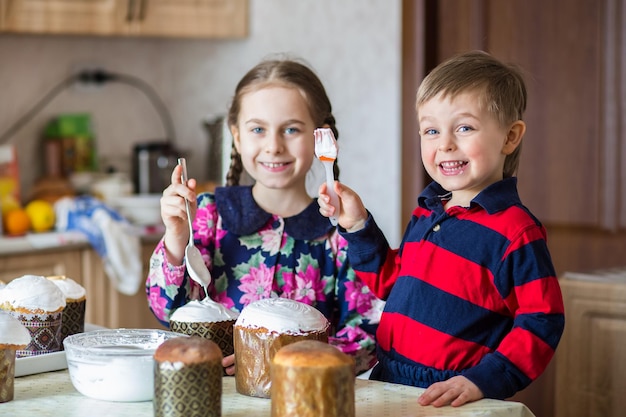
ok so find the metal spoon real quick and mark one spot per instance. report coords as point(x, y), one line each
point(196, 267)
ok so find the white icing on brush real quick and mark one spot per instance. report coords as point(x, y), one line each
point(325, 144)
point(12, 331)
point(282, 315)
point(206, 310)
point(70, 288)
point(33, 292)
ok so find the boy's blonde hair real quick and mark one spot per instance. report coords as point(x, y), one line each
point(502, 90)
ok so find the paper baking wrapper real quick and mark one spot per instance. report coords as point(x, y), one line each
point(220, 332)
point(45, 332)
point(73, 319)
point(254, 351)
point(7, 374)
point(188, 390)
point(312, 391)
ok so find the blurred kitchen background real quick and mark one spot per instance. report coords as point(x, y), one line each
point(195, 79)
point(371, 56)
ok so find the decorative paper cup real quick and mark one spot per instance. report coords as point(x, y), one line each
point(73, 319)
point(7, 374)
point(220, 332)
point(45, 332)
point(254, 351)
point(75, 303)
point(188, 378)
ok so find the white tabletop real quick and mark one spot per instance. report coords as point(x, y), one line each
point(52, 394)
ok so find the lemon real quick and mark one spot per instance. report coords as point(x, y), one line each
point(16, 222)
point(8, 203)
point(41, 215)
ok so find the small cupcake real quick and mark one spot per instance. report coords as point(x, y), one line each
point(207, 319)
point(38, 304)
point(75, 299)
point(262, 328)
point(188, 378)
point(13, 336)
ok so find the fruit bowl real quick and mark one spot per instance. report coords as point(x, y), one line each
point(114, 365)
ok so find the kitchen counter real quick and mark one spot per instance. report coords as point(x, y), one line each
point(34, 242)
point(52, 394)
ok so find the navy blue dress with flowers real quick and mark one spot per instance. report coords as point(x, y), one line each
point(253, 254)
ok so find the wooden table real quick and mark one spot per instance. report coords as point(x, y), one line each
point(52, 394)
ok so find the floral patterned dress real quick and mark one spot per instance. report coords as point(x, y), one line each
point(253, 254)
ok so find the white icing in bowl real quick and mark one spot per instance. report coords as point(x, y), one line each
point(114, 365)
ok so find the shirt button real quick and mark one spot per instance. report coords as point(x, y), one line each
point(436, 228)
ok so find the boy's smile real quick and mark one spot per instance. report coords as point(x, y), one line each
point(463, 145)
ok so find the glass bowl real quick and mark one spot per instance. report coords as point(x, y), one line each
point(114, 365)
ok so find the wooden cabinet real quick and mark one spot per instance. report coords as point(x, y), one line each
point(159, 18)
point(50, 262)
point(573, 164)
point(574, 149)
point(105, 305)
point(591, 359)
point(109, 308)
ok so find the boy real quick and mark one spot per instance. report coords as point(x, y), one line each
point(474, 308)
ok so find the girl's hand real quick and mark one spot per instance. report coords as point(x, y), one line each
point(174, 215)
point(352, 213)
point(456, 391)
point(229, 364)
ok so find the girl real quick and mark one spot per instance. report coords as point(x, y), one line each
point(268, 239)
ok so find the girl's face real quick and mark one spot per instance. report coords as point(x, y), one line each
point(463, 145)
point(274, 135)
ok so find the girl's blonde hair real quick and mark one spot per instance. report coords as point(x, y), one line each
point(283, 72)
point(502, 89)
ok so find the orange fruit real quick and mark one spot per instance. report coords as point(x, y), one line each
point(41, 214)
point(16, 222)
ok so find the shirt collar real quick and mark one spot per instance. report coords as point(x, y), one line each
point(496, 197)
point(242, 215)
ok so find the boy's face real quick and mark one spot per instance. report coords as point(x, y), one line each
point(463, 145)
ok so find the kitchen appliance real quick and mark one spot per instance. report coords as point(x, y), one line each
point(153, 163)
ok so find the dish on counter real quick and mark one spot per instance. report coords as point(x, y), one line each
point(47, 362)
point(54, 361)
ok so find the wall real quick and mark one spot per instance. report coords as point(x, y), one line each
point(360, 68)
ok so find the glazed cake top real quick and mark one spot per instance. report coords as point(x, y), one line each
point(32, 292)
point(12, 332)
point(206, 310)
point(72, 289)
point(282, 315)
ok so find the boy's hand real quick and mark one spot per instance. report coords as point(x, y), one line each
point(352, 213)
point(456, 391)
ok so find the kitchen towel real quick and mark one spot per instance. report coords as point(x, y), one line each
point(110, 235)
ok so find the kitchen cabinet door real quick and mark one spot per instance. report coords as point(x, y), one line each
point(97, 17)
point(62, 262)
point(193, 18)
point(109, 308)
point(156, 18)
point(591, 359)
